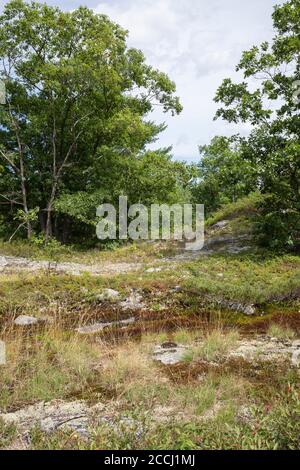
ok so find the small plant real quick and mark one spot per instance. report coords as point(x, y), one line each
point(281, 332)
point(24, 219)
point(186, 336)
point(53, 365)
point(7, 432)
point(216, 344)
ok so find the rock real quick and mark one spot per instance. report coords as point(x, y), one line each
point(296, 343)
point(99, 327)
point(249, 310)
point(133, 302)
point(226, 243)
point(168, 345)
point(246, 309)
point(169, 355)
point(108, 295)
point(236, 249)
point(78, 416)
point(295, 361)
point(264, 348)
point(49, 416)
point(153, 270)
point(11, 263)
point(220, 224)
point(176, 289)
point(245, 415)
point(212, 412)
point(25, 320)
point(165, 413)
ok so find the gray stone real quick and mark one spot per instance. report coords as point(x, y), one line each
point(295, 361)
point(76, 416)
point(169, 355)
point(108, 295)
point(133, 302)
point(220, 224)
point(168, 345)
point(153, 270)
point(249, 310)
point(264, 348)
point(16, 264)
point(25, 320)
point(246, 309)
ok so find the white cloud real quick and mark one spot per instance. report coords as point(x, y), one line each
point(198, 43)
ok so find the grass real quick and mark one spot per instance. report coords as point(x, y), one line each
point(191, 405)
point(183, 336)
point(273, 428)
point(164, 409)
point(131, 252)
point(48, 365)
point(281, 332)
point(246, 206)
point(7, 433)
point(250, 279)
point(207, 283)
point(214, 346)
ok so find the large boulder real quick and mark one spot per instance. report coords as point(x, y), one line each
point(25, 320)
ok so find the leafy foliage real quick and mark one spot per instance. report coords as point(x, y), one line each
point(75, 123)
point(273, 146)
point(223, 174)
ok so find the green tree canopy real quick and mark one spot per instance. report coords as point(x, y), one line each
point(273, 110)
point(77, 97)
point(223, 174)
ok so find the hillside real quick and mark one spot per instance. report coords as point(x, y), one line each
point(152, 347)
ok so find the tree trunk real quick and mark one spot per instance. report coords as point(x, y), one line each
point(42, 221)
point(21, 171)
point(48, 231)
point(24, 196)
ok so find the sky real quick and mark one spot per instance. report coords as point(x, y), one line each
point(197, 43)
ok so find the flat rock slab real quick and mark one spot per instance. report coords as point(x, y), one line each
point(77, 416)
point(49, 416)
point(13, 264)
point(169, 353)
point(264, 348)
point(255, 350)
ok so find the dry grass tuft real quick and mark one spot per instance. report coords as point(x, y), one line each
point(215, 345)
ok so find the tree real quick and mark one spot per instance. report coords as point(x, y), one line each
point(75, 92)
point(223, 174)
point(150, 177)
point(273, 110)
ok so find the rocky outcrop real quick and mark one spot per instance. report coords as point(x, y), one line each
point(133, 302)
point(169, 353)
